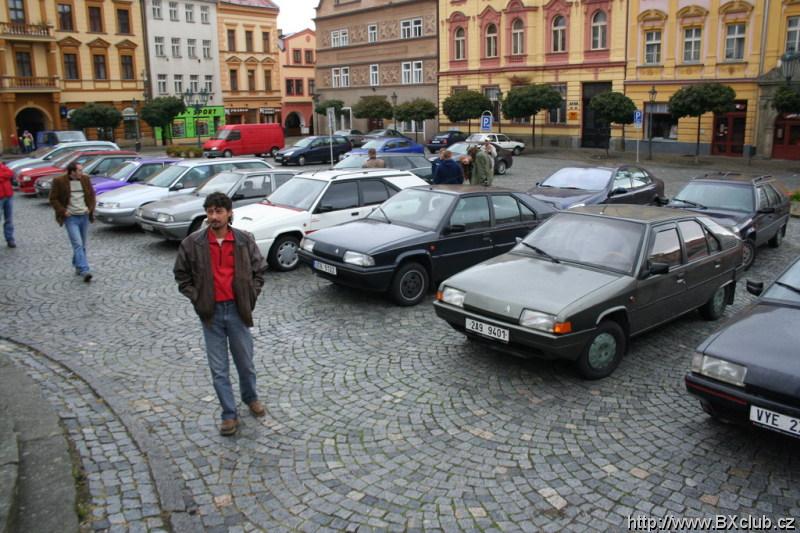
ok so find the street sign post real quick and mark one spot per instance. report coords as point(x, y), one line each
point(330, 112)
point(486, 121)
point(637, 123)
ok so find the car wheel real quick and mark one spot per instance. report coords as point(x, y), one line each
point(274, 152)
point(749, 253)
point(603, 352)
point(776, 241)
point(409, 285)
point(517, 150)
point(301, 161)
point(227, 153)
point(714, 308)
point(283, 254)
point(196, 223)
point(500, 167)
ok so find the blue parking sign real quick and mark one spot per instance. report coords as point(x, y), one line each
point(486, 123)
point(637, 118)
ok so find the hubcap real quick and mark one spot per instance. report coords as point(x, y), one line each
point(719, 301)
point(747, 255)
point(287, 254)
point(411, 285)
point(602, 351)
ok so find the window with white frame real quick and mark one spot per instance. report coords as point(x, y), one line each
point(493, 94)
point(189, 12)
point(156, 9)
point(734, 42)
point(194, 83)
point(191, 48)
point(206, 49)
point(460, 43)
point(559, 34)
point(558, 115)
point(491, 40)
point(793, 34)
point(652, 47)
point(374, 75)
point(517, 38)
point(173, 11)
point(161, 86)
point(176, 47)
point(372, 33)
point(177, 80)
point(204, 15)
point(159, 46)
point(416, 72)
point(209, 84)
point(339, 38)
point(599, 31)
point(410, 28)
point(340, 77)
point(692, 39)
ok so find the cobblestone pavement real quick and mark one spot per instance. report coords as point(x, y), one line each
point(378, 417)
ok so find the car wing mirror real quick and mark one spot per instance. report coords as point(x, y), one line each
point(662, 201)
point(755, 287)
point(618, 191)
point(455, 228)
point(324, 208)
point(656, 268)
point(518, 239)
point(237, 196)
point(176, 187)
point(766, 210)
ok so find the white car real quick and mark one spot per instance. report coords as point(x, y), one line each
point(119, 206)
point(500, 140)
point(314, 200)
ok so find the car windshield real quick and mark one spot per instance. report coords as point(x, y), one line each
point(475, 137)
point(122, 172)
point(378, 132)
point(299, 193)
point(166, 177)
point(63, 160)
point(222, 182)
point(352, 161)
point(303, 142)
point(716, 195)
point(419, 208)
point(787, 287)
point(222, 135)
point(604, 243)
point(586, 179)
point(372, 144)
point(41, 152)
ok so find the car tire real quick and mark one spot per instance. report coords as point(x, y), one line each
point(714, 308)
point(283, 254)
point(500, 167)
point(227, 153)
point(196, 223)
point(517, 150)
point(301, 161)
point(749, 255)
point(602, 354)
point(776, 241)
point(274, 152)
point(410, 284)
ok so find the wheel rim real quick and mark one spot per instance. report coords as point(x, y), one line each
point(602, 351)
point(501, 167)
point(301, 161)
point(748, 253)
point(411, 285)
point(287, 254)
point(718, 303)
point(227, 153)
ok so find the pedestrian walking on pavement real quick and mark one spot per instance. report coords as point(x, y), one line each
point(221, 271)
point(7, 204)
point(373, 161)
point(73, 200)
point(482, 169)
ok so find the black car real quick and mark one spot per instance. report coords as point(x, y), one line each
point(314, 149)
point(420, 236)
point(416, 163)
point(444, 139)
point(356, 137)
point(579, 186)
point(755, 208)
point(749, 371)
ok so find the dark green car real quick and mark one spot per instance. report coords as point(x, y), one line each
point(586, 280)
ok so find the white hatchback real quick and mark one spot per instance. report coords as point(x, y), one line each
point(500, 140)
point(314, 200)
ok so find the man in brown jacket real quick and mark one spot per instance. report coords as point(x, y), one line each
point(72, 197)
point(221, 271)
point(373, 161)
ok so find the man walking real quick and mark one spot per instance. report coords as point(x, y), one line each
point(73, 200)
point(373, 161)
point(7, 205)
point(221, 271)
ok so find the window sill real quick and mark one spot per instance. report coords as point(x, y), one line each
point(690, 64)
point(96, 33)
point(651, 65)
point(733, 62)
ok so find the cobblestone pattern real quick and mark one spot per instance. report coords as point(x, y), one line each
point(383, 418)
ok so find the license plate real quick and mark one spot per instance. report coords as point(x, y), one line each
point(330, 269)
point(774, 421)
point(147, 227)
point(487, 330)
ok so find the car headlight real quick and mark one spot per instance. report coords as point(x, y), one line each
point(163, 217)
point(26, 179)
point(580, 204)
point(543, 322)
point(214, 149)
point(452, 296)
point(109, 205)
point(308, 245)
point(719, 369)
point(355, 258)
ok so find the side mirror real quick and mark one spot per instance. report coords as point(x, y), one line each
point(766, 210)
point(237, 196)
point(538, 183)
point(455, 228)
point(755, 287)
point(658, 268)
point(324, 208)
point(662, 201)
point(618, 190)
point(176, 187)
point(518, 239)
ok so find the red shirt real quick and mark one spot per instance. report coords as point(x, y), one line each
point(222, 265)
point(5, 181)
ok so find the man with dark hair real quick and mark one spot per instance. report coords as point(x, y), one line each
point(73, 200)
point(221, 271)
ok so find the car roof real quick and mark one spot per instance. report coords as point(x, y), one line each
point(157, 159)
point(105, 152)
point(81, 143)
point(259, 171)
point(733, 177)
point(634, 213)
point(341, 174)
point(196, 162)
point(460, 190)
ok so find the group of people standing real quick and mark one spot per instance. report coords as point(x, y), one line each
point(476, 168)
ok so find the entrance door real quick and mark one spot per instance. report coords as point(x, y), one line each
point(786, 137)
point(292, 124)
point(729, 131)
point(594, 132)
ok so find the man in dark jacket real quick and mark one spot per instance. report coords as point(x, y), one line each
point(447, 171)
point(7, 204)
point(73, 200)
point(221, 271)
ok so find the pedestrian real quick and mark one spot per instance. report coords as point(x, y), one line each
point(489, 148)
point(447, 171)
point(7, 204)
point(221, 271)
point(482, 173)
point(373, 161)
point(468, 163)
point(14, 143)
point(27, 142)
point(72, 197)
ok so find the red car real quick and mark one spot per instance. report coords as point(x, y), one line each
point(101, 161)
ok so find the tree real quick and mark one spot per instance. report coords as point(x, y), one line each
point(786, 100)
point(96, 116)
point(373, 107)
point(322, 108)
point(696, 100)
point(528, 101)
point(160, 112)
point(415, 111)
point(465, 105)
point(613, 108)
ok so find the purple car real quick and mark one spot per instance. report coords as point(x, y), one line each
point(135, 171)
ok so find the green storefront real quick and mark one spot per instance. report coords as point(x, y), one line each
point(187, 125)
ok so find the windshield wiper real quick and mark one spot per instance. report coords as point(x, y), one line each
point(572, 188)
point(384, 215)
point(544, 185)
point(787, 286)
point(689, 202)
point(540, 252)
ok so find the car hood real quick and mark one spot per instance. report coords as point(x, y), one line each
point(134, 195)
point(292, 150)
point(763, 339)
point(563, 198)
point(35, 163)
point(178, 204)
point(43, 171)
point(366, 236)
point(261, 218)
point(20, 163)
point(512, 282)
point(212, 143)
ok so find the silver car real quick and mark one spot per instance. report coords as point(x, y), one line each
point(175, 218)
point(45, 156)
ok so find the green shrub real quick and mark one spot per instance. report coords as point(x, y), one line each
point(795, 197)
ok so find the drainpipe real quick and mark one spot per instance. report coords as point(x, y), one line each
point(761, 60)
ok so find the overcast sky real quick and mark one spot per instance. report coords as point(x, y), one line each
point(296, 15)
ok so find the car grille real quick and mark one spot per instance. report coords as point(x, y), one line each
point(328, 251)
point(489, 314)
point(774, 396)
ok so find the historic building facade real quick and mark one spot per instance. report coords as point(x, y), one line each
point(298, 56)
point(376, 47)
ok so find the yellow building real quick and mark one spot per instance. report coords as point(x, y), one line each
point(249, 56)
point(298, 56)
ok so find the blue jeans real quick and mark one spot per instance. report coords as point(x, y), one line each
point(228, 329)
point(7, 206)
point(77, 226)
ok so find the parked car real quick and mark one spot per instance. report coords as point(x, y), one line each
point(749, 370)
point(177, 217)
point(245, 139)
point(578, 186)
point(135, 171)
point(118, 207)
point(500, 139)
point(756, 208)
point(355, 137)
point(93, 161)
point(389, 145)
point(311, 201)
point(383, 132)
point(421, 236)
point(502, 162)
point(43, 156)
point(586, 280)
point(416, 163)
point(52, 138)
point(444, 139)
point(314, 149)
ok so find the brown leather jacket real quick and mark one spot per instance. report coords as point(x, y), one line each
point(59, 196)
point(195, 278)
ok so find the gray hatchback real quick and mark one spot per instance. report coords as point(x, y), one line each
point(177, 217)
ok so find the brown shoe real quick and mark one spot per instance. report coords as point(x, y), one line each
point(228, 427)
point(257, 408)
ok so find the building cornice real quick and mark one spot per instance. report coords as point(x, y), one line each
point(370, 9)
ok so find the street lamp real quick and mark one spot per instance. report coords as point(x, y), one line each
point(196, 101)
point(652, 92)
point(499, 108)
point(394, 104)
point(790, 64)
point(135, 106)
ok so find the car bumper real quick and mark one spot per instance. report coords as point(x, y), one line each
point(174, 231)
point(117, 217)
point(212, 153)
point(523, 342)
point(369, 278)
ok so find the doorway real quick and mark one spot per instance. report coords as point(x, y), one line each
point(594, 131)
point(375, 124)
point(729, 131)
point(293, 125)
point(31, 119)
point(786, 137)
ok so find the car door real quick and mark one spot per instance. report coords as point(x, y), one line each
point(502, 141)
point(766, 223)
point(643, 189)
point(457, 250)
point(621, 188)
point(703, 263)
point(781, 208)
point(372, 192)
point(509, 222)
point(339, 203)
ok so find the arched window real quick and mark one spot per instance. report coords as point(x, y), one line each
point(599, 31)
point(491, 40)
point(460, 43)
point(559, 34)
point(517, 38)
